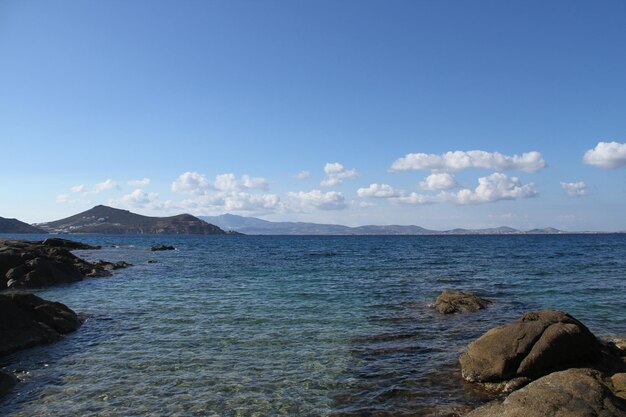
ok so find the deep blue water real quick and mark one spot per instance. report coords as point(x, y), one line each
point(301, 326)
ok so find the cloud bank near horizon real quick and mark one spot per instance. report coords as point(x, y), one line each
point(228, 192)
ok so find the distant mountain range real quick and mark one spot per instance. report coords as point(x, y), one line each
point(16, 226)
point(109, 220)
point(103, 219)
point(255, 226)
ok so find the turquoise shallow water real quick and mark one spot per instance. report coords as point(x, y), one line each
point(301, 326)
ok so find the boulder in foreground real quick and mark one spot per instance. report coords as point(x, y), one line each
point(27, 320)
point(574, 392)
point(453, 301)
point(536, 344)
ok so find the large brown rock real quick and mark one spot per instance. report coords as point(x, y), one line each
point(453, 301)
point(27, 320)
point(536, 344)
point(570, 393)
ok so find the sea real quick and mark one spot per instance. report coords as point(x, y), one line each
point(301, 325)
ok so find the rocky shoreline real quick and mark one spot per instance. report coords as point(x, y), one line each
point(25, 319)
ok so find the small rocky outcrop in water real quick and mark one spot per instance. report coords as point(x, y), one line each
point(27, 320)
point(162, 247)
point(67, 244)
point(26, 264)
point(574, 392)
point(453, 301)
point(536, 344)
point(109, 266)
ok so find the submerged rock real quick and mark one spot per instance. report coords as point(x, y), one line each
point(536, 344)
point(27, 320)
point(162, 247)
point(574, 392)
point(453, 301)
point(108, 266)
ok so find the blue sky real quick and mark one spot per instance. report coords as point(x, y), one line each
point(344, 112)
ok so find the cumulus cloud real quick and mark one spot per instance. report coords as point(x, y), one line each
point(336, 173)
point(378, 190)
point(575, 189)
point(198, 184)
point(226, 182)
point(460, 160)
point(225, 193)
point(139, 199)
point(217, 203)
point(105, 185)
point(442, 181)
point(607, 155)
point(303, 175)
point(419, 199)
point(108, 184)
point(139, 183)
point(494, 187)
point(331, 200)
point(251, 183)
point(191, 183)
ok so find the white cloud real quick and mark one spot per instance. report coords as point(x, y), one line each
point(69, 199)
point(198, 184)
point(607, 155)
point(218, 203)
point(251, 202)
point(98, 188)
point(575, 189)
point(225, 193)
point(442, 181)
point(79, 189)
point(419, 199)
point(139, 183)
point(251, 183)
point(336, 173)
point(104, 186)
point(226, 182)
point(460, 160)
point(139, 199)
point(494, 187)
point(191, 183)
point(378, 190)
point(303, 175)
point(331, 200)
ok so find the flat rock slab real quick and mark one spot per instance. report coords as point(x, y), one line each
point(536, 344)
point(571, 393)
point(453, 301)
